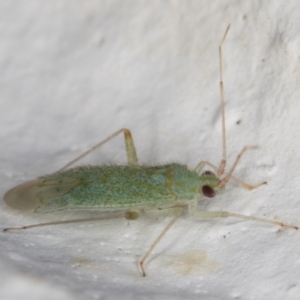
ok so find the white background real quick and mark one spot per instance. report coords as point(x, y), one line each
point(73, 72)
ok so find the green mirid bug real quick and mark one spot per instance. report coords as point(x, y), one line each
point(125, 191)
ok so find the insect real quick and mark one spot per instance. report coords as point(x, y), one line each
point(126, 191)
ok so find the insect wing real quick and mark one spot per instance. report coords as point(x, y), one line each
point(36, 193)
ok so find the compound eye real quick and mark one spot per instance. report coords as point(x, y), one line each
point(208, 191)
point(208, 173)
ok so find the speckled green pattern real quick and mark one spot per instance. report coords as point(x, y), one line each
point(117, 187)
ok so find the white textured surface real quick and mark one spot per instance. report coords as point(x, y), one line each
point(73, 72)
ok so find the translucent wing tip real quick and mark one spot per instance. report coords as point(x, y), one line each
point(23, 196)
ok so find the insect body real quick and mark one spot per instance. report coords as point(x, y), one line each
point(114, 187)
point(130, 189)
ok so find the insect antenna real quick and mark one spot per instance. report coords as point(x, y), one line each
point(224, 156)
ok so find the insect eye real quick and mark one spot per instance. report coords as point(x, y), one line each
point(208, 191)
point(208, 173)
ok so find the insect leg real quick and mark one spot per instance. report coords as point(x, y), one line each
point(221, 169)
point(130, 148)
point(225, 214)
point(176, 210)
point(229, 175)
point(125, 215)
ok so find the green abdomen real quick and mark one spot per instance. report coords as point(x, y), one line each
point(117, 187)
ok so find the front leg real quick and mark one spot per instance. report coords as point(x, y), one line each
point(225, 214)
